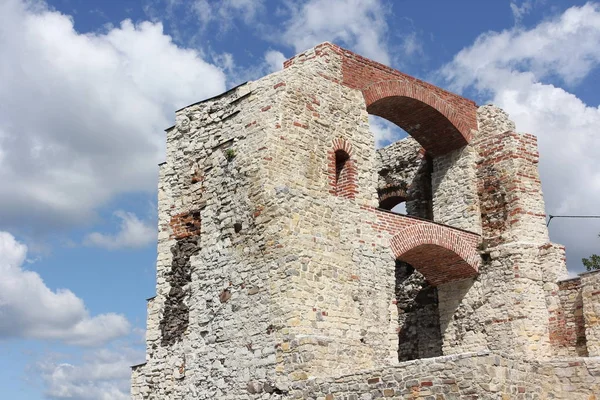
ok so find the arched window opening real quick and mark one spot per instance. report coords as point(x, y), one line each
point(419, 118)
point(393, 197)
point(405, 179)
point(342, 170)
point(344, 175)
point(399, 208)
point(341, 158)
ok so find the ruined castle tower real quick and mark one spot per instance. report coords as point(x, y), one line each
point(282, 272)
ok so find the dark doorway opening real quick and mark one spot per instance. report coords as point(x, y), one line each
point(418, 315)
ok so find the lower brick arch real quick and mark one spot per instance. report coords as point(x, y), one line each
point(439, 254)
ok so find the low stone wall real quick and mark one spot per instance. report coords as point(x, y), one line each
point(575, 316)
point(464, 376)
point(567, 325)
point(590, 293)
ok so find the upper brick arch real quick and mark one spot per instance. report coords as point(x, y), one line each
point(439, 120)
point(438, 253)
point(432, 121)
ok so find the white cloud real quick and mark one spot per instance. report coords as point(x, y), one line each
point(513, 68)
point(411, 45)
point(520, 11)
point(564, 47)
point(358, 24)
point(133, 233)
point(82, 115)
point(29, 309)
point(101, 375)
point(385, 132)
point(274, 60)
point(225, 11)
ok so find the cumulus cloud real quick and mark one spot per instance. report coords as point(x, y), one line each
point(519, 11)
point(274, 60)
point(100, 375)
point(411, 45)
point(29, 309)
point(226, 11)
point(358, 24)
point(520, 70)
point(82, 115)
point(133, 233)
point(385, 132)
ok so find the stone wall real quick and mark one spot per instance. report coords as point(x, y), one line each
point(464, 376)
point(574, 312)
point(507, 306)
point(509, 187)
point(405, 176)
point(419, 333)
point(209, 327)
point(454, 182)
point(567, 325)
point(590, 293)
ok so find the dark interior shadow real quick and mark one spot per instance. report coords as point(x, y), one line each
point(418, 315)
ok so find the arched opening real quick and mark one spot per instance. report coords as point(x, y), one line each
point(405, 179)
point(342, 170)
point(424, 123)
point(436, 124)
point(392, 195)
point(439, 121)
point(427, 255)
point(440, 254)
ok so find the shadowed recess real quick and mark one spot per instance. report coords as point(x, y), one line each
point(427, 125)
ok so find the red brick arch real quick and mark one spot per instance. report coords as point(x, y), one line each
point(432, 121)
point(439, 120)
point(342, 144)
point(438, 253)
point(392, 195)
point(342, 183)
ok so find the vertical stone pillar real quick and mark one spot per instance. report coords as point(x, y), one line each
point(454, 184)
point(590, 288)
point(505, 307)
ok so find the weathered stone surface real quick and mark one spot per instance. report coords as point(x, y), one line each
point(278, 277)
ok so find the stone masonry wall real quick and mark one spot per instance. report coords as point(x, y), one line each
point(454, 182)
point(507, 306)
point(567, 325)
point(574, 317)
point(465, 376)
point(405, 175)
point(590, 293)
point(209, 329)
point(512, 205)
point(336, 295)
point(419, 333)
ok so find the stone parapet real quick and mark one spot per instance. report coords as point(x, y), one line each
point(590, 295)
point(462, 376)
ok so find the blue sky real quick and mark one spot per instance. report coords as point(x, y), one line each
point(87, 87)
